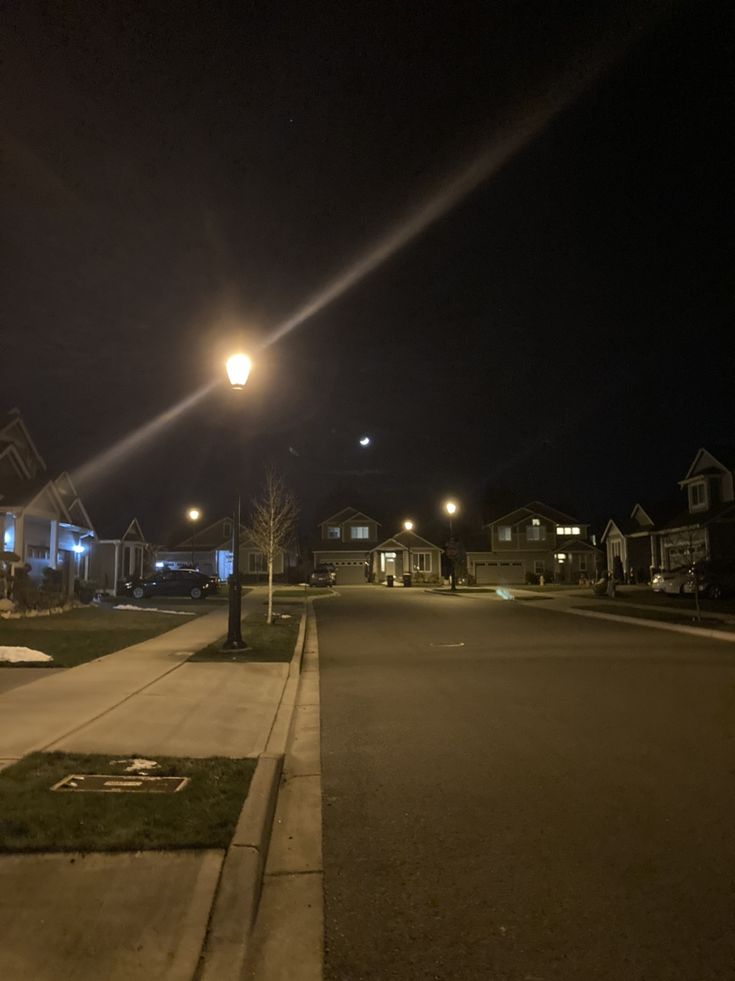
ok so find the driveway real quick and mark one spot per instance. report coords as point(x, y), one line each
point(551, 801)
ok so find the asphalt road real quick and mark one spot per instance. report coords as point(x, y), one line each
point(552, 801)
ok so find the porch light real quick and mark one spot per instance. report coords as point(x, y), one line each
point(79, 549)
point(238, 369)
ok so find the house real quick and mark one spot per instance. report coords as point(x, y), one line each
point(113, 559)
point(42, 518)
point(533, 541)
point(403, 553)
point(347, 540)
point(705, 528)
point(632, 543)
point(210, 551)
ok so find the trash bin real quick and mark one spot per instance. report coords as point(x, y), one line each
point(389, 580)
point(407, 579)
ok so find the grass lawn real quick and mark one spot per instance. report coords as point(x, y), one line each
point(201, 815)
point(298, 594)
point(682, 604)
point(265, 643)
point(683, 616)
point(84, 634)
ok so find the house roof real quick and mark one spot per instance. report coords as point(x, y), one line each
point(407, 539)
point(132, 533)
point(20, 492)
point(540, 509)
point(724, 455)
point(685, 519)
point(576, 545)
point(347, 514)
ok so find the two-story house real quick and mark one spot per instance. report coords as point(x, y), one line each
point(705, 528)
point(346, 540)
point(533, 541)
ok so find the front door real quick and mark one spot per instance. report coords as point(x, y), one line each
point(390, 565)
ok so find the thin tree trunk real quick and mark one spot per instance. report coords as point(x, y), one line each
point(270, 581)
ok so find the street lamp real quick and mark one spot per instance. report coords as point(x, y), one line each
point(193, 514)
point(451, 508)
point(238, 369)
point(408, 526)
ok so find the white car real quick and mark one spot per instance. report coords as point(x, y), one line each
point(671, 581)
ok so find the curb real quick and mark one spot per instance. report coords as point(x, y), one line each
point(656, 624)
point(236, 901)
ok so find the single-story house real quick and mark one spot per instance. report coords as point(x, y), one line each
point(116, 558)
point(403, 553)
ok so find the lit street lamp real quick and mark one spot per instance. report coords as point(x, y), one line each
point(193, 514)
point(451, 508)
point(238, 369)
point(408, 526)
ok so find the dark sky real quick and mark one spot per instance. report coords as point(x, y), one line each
point(180, 178)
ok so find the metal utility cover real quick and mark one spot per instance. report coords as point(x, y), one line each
point(111, 783)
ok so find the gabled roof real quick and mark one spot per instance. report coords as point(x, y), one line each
point(685, 519)
point(576, 545)
point(212, 536)
point(537, 509)
point(406, 539)
point(723, 455)
point(68, 493)
point(132, 533)
point(12, 419)
point(347, 514)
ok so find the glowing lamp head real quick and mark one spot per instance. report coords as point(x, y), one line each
point(79, 549)
point(193, 514)
point(408, 525)
point(238, 369)
point(365, 441)
point(450, 507)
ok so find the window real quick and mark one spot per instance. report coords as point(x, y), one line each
point(561, 556)
point(538, 567)
point(359, 531)
point(535, 522)
point(535, 533)
point(256, 562)
point(37, 552)
point(504, 533)
point(333, 531)
point(582, 563)
point(567, 530)
point(698, 495)
point(421, 561)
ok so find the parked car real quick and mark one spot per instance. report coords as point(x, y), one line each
point(671, 581)
point(715, 578)
point(322, 576)
point(172, 582)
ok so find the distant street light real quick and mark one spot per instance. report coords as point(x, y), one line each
point(238, 370)
point(451, 508)
point(193, 514)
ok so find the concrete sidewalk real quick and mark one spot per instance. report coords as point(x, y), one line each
point(143, 915)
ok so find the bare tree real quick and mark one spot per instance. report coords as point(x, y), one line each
point(272, 524)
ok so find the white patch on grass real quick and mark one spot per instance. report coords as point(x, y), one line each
point(137, 765)
point(22, 655)
point(152, 609)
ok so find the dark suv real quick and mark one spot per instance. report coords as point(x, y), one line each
point(715, 578)
point(172, 582)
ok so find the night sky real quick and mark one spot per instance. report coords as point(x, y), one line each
point(178, 180)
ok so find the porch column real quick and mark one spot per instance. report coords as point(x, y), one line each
point(20, 546)
point(53, 548)
point(116, 570)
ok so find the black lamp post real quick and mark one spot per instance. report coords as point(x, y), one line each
point(408, 526)
point(450, 507)
point(193, 514)
point(238, 369)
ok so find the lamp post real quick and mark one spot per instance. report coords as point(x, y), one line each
point(408, 526)
point(238, 369)
point(193, 514)
point(451, 508)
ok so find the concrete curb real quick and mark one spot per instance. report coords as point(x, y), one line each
point(236, 901)
point(656, 624)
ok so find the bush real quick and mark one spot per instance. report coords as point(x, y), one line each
point(532, 579)
point(23, 590)
point(85, 590)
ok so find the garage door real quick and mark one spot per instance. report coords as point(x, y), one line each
point(349, 572)
point(500, 573)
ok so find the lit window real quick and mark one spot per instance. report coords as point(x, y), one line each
point(333, 531)
point(535, 522)
point(561, 556)
point(575, 530)
point(535, 533)
point(504, 533)
point(421, 561)
point(359, 531)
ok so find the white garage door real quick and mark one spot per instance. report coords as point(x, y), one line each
point(349, 572)
point(500, 573)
